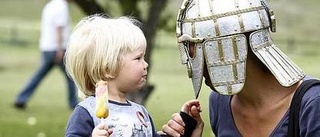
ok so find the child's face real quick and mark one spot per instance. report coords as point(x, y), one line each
point(133, 73)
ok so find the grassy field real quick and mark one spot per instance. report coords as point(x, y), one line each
point(48, 112)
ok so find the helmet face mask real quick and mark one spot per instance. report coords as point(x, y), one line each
point(212, 32)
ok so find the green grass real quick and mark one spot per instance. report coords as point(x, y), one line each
point(19, 57)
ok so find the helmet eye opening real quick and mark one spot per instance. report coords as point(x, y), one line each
point(191, 48)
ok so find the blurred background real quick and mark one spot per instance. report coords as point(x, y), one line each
point(168, 84)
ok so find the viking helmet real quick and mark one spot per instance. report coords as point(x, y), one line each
point(214, 31)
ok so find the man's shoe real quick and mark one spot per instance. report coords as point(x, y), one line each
point(19, 105)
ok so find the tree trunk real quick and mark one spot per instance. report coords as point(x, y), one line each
point(89, 7)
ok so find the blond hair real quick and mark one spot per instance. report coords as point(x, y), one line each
point(96, 48)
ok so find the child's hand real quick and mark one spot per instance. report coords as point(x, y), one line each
point(101, 131)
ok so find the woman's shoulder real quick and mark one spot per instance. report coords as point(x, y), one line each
point(312, 94)
point(309, 111)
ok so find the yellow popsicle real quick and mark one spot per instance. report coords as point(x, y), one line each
point(101, 92)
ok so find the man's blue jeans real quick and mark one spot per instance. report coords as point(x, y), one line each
point(47, 63)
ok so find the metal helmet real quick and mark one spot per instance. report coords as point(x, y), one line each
point(214, 30)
